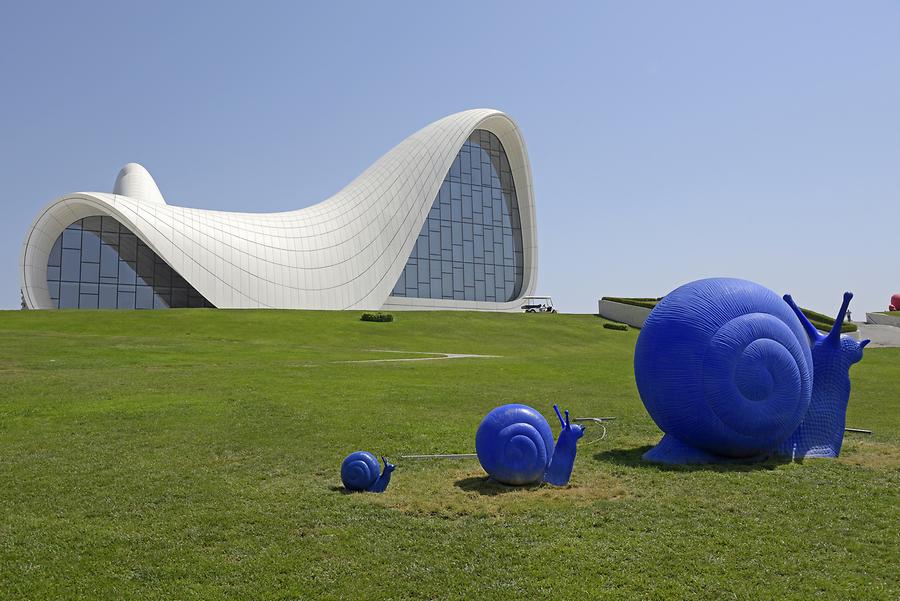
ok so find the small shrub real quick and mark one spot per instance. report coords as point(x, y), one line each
point(614, 325)
point(377, 317)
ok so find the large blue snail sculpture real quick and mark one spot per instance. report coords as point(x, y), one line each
point(515, 446)
point(731, 371)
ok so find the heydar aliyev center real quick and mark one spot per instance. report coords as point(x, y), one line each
point(445, 220)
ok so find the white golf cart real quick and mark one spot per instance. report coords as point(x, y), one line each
point(538, 304)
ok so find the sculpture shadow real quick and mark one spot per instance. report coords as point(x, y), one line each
point(632, 458)
point(342, 490)
point(485, 485)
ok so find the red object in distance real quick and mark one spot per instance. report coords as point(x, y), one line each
point(895, 303)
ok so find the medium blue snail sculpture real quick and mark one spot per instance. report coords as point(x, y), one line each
point(729, 371)
point(361, 471)
point(515, 446)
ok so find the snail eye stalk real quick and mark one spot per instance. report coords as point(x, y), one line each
point(811, 330)
point(559, 415)
point(834, 336)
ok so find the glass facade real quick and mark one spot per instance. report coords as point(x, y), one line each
point(98, 263)
point(470, 247)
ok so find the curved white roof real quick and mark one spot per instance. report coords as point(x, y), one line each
point(136, 182)
point(345, 252)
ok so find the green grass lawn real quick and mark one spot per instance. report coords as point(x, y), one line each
point(190, 454)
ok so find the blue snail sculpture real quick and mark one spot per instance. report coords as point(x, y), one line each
point(361, 471)
point(515, 446)
point(729, 370)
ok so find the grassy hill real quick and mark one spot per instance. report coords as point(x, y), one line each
point(194, 454)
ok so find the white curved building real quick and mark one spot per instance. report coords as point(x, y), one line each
point(445, 220)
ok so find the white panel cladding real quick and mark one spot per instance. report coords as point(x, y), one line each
point(136, 182)
point(343, 253)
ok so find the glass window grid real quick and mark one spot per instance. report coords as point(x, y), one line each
point(470, 247)
point(98, 263)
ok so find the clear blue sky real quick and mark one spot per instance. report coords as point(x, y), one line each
point(669, 140)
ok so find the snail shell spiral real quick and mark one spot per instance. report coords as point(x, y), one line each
point(360, 470)
point(724, 365)
point(514, 444)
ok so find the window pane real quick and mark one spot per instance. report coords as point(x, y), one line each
point(126, 273)
point(109, 261)
point(91, 223)
point(143, 297)
point(87, 301)
point(126, 300)
point(71, 237)
point(55, 253)
point(145, 264)
point(468, 274)
point(434, 242)
point(162, 299)
point(107, 296)
point(128, 247)
point(161, 274)
point(447, 288)
point(109, 224)
point(179, 297)
point(90, 272)
point(68, 295)
point(71, 265)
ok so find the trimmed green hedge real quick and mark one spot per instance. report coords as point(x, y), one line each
point(647, 303)
point(614, 325)
point(822, 322)
point(377, 317)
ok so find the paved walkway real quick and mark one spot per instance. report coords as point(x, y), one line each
point(438, 357)
point(881, 336)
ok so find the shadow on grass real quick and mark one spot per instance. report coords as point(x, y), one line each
point(632, 458)
point(343, 490)
point(485, 485)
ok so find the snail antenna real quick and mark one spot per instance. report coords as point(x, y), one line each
point(834, 336)
point(559, 415)
point(811, 330)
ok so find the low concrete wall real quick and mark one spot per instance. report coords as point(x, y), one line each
point(633, 316)
point(883, 320)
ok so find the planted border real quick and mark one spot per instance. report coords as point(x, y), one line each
point(821, 321)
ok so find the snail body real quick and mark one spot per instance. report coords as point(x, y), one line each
point(360, 471)
point(515, 446)
point(821, 433)
point(729, 370)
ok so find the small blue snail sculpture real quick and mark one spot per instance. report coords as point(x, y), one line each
point(515, 446)
point(361, 471)
point(730, 371)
